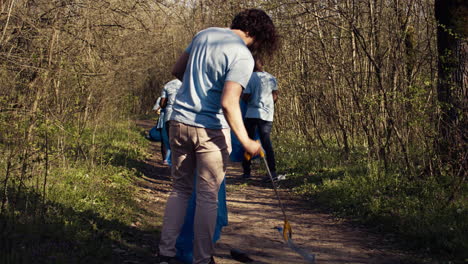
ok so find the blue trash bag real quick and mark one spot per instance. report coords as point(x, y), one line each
point(155, 134)
point(165, 141)
point(184, 244)
point(161, 118)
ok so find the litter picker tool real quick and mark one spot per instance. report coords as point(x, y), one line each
point(286, 230)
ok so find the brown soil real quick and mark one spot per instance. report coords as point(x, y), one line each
point(253, 214)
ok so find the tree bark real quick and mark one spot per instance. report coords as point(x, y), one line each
point(451, 91)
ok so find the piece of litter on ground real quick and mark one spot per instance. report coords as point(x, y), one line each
point(281, 177)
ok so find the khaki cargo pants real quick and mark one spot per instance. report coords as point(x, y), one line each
point(205, 153)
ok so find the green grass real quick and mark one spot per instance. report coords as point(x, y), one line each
point(415, 208)
point(89, 209)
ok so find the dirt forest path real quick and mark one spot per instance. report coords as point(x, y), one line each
point(253, 212)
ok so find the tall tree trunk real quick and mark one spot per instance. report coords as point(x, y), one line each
point(452, 32)
point(452, 50)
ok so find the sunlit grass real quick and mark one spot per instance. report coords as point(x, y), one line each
point(88, 205)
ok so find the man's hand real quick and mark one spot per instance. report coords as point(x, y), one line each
point(252, 147)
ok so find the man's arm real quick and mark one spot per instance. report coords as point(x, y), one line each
point(275, 94)
point(230, 103)
point(157, 106)
point(178, 69)
point(163, 103)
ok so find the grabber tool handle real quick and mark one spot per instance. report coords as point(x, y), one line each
point(287, 230)
point(247, 156)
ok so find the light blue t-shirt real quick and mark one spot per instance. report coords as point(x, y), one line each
point(169, 91)
point(260, 88)
point(217, 55)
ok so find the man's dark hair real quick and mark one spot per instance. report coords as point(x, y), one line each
point(258, 25)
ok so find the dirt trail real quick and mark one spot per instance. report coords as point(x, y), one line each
point(254, 212)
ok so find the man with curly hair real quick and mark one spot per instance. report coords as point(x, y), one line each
point(214, 69)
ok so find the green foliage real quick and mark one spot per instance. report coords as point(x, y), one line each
point(106, 190)
point(88, 206)
point(417, 208)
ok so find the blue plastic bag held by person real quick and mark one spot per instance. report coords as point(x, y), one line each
point(165, 141)
point(155, 134)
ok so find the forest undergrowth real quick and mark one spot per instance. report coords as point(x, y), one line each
point(419, 209)
point(86, 206)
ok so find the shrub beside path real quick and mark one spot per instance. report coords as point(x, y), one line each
point(253, 214)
